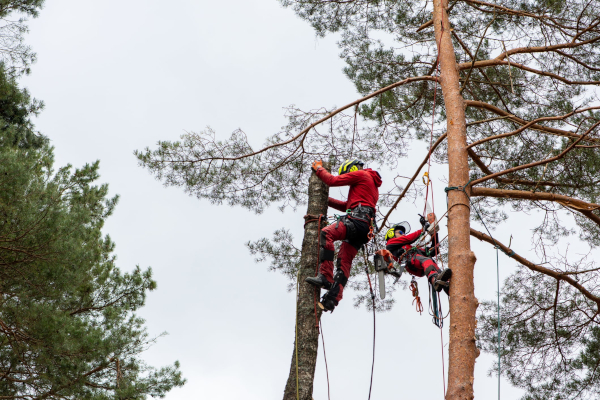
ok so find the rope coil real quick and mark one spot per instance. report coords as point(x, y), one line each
point(414, 288)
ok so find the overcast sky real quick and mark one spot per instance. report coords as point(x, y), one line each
point(120, 75)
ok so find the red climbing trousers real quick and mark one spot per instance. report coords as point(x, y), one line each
point(419, 264)
point(347, 252)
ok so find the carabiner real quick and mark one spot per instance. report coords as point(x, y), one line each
point(426, 175)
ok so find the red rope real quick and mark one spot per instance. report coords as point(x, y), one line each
point(443, 362)
point(415, 292)
point(432, 198)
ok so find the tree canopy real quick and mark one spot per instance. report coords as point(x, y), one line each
point(527, 73)
point(68, 327)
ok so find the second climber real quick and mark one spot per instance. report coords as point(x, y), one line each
point(419, 261)
point(353, 228)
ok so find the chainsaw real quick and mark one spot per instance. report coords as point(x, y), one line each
point(382, 267)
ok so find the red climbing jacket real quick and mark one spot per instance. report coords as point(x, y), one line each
point(418, 262)
point(363, 184)
point(403, 242)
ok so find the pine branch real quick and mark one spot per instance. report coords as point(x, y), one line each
point(537, 268)
point(537, 163)
point(302, 134)
point(495, 62)
point(553, 131)
point(531, 123)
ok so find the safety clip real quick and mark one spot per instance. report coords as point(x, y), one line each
point(426, 175)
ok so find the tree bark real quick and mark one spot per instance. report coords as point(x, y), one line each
point(463, 304)
point(307, 337)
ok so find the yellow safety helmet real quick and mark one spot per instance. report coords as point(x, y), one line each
point(350, 166)
point(404, 227)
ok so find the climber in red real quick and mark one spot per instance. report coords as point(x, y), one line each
point(353, 228)
point(419, 261)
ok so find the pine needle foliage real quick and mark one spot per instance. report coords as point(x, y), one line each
point(68, 328)
point(528, 72)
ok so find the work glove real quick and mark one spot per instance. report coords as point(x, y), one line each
point(431, 220)
point(317, 164)
point(434, 229)
point(422, 220)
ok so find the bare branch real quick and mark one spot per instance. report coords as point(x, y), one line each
point(535, 164)
point(537, 268)
point(553, 131)
point(494, 62)
point(530, 124)
point(325, 118)
point(429, 153)
point(580, 206)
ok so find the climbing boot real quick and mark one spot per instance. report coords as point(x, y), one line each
point(440, 280)
point(446, 289)
point(319, 281)
point(327, 304)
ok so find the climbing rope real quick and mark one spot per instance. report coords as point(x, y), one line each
point(325, 358)
point(414, 288)
point(373, 306)
point(308, 219)
point(438, 318)
point(296, 339)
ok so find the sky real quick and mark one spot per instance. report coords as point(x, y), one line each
point(117, 76)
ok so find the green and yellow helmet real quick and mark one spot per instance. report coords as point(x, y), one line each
point(404, 227)
point(350, 166)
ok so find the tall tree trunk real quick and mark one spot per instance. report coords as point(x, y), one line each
point(307, 337)
point(463, 304)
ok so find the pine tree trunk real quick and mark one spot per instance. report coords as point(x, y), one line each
point(307, 338)
point(463, 304)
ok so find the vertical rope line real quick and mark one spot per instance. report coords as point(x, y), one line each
point(438, 244)
point(296, 341)
point(437, 67)
point(498, 282)
point(497, 268)
point(373, 364)
point(325, 357)
point(373, 305)
point(443, 362)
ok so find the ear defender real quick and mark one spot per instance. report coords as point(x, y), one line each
point(389, 234)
